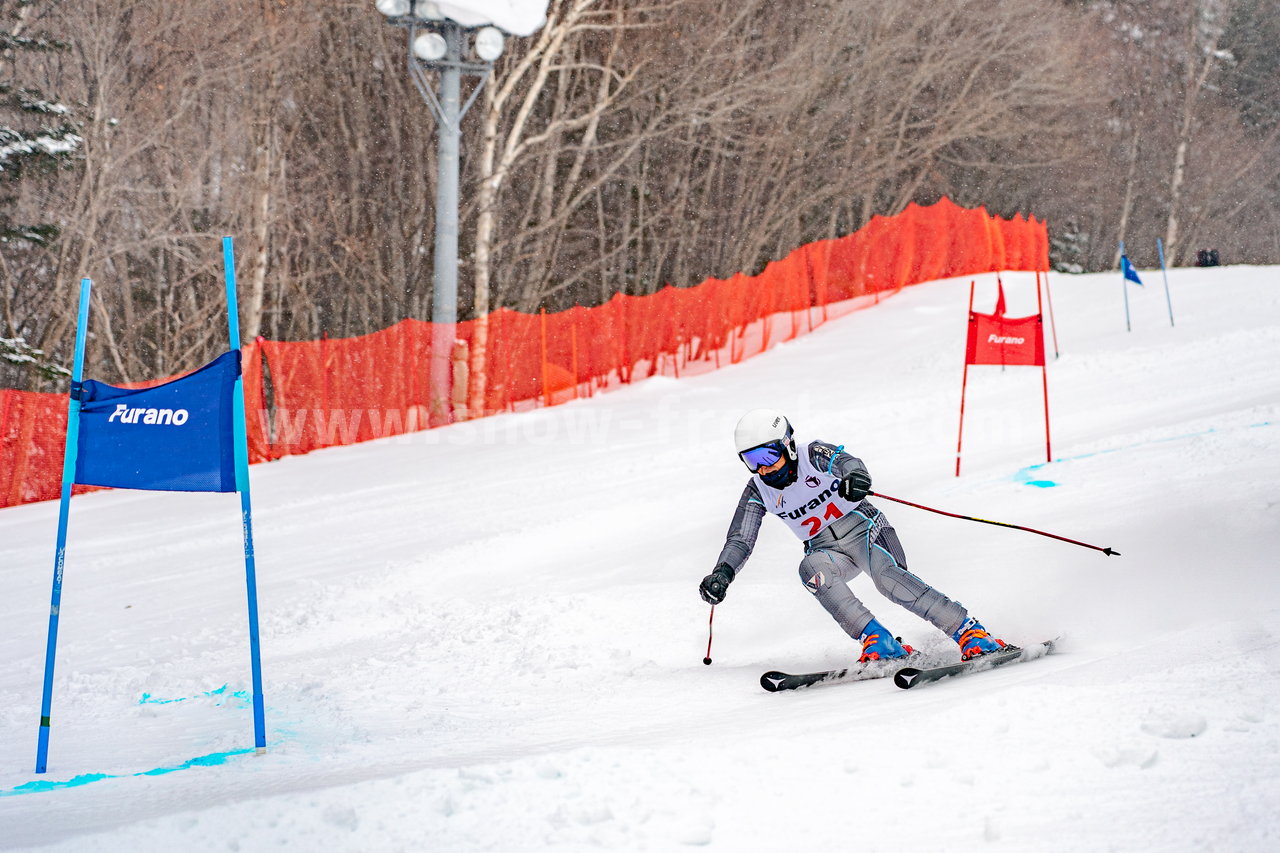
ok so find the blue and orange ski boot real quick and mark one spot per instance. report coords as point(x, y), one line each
point(879, 644)
point(974, 640)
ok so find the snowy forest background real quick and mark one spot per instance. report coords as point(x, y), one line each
point(626, 145)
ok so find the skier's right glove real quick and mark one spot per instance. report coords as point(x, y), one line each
point(854, 486)
point(715, 585)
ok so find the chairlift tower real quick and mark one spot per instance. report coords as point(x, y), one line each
point(438, 44)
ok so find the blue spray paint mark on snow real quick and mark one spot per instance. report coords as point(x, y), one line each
point(1026, 476)
point(213, 759)
point(42, 785)
point(219, 692)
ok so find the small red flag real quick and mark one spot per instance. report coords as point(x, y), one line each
point(1000, 306)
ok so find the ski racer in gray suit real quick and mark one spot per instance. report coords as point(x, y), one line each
point(819, 491)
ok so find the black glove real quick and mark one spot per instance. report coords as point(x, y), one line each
point(716, 584)
point(855, 485)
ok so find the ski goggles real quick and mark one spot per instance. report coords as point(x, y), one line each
point(763, 456)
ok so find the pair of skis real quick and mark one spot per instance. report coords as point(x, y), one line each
point(907, 676)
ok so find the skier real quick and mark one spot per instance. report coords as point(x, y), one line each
point(819, 491)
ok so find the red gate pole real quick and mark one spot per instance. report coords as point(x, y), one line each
point(577, 382)
point(1044, 375)
point(964, 380)
point(1053, 316)
point(546, 391)
point(1044, 369)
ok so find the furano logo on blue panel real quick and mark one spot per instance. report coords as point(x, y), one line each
point(135, 415)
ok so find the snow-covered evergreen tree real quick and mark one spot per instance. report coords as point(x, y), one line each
point(15, 352)
point(37, 132)
point(38, 135)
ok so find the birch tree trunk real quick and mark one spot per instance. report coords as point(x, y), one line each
point(498, 153)
point(1197, 73)
point(1126, 206)
point(265, 95)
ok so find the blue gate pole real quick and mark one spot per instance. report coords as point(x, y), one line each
point(64, 509)
point(1124, 283)
point(241, 441)
point(1163, 272)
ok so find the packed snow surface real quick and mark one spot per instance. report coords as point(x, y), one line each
point(488, 637)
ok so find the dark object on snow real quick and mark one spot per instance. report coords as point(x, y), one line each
point(1207, 258)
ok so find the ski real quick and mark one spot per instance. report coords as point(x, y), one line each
point(776, 682)
point(909, 677)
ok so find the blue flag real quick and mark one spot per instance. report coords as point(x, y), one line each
point(175, 437)
point(1130, 273)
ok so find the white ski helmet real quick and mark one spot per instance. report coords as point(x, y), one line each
point(762, 437)
point(760, 426)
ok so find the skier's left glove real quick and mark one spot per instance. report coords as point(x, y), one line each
point(855, 485)
point(715, 585)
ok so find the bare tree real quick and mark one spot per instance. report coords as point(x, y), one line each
point(625, 146)
point(1200, 58)
point(506, 136)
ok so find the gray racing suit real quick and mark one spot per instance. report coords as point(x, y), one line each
point(855, 538)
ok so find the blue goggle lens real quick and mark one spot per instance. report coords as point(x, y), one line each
point(762, 457)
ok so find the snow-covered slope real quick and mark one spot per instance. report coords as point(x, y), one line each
point(488, 637)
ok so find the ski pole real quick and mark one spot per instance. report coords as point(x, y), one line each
point(1109, 552)
point(710, 619)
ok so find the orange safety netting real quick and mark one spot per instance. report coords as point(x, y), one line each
point(315, 394)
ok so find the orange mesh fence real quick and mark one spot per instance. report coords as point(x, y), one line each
point(301, 396)
point(32, 431)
